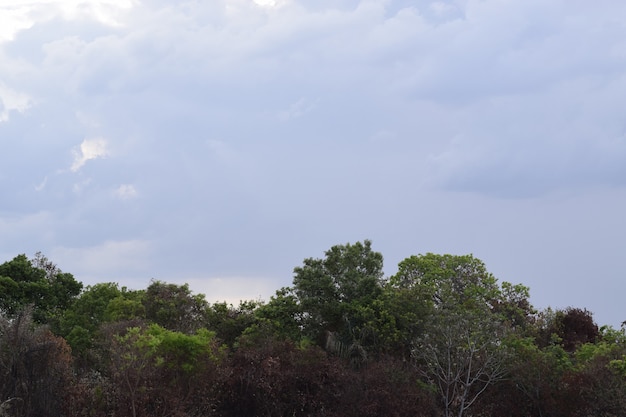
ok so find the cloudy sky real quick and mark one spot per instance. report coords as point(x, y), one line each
point(221, 142)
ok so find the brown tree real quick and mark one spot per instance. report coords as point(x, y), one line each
point(35, 367)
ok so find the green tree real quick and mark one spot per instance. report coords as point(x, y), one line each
point(427, 283)
point(175, 307)
point(334, 293)
point(229, 322)
point(98, 304)
point(460, 350)
point(534, 384)
point(281, 314)
point(515, 308)
point(39, 283)
point(448, 280)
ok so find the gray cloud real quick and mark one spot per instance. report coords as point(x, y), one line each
point(241, 138)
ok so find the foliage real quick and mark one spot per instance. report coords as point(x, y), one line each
point(174, 307)
point(462, 354)
point(282, 314)
point(460, 350)
point(514, 307)
point(279, 378)
point(160, 370)
point(572, 326)
point(334, 293)
point(38, 282)
point(229, 322)
point(447, 281)
point(96, 305)
point(439, 337)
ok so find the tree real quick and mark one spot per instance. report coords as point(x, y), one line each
point(98, 304)
point(229, 322)
point(280, 378)
point(448, 280)
point(461, 350)
point(160, 372)
point(572, 326)
point(37, 282)
point(333, 292)
point(461, 353)
point(281, 314)
point(175, 307)
point(534, 382)
point(35, 366)
point(577, 327)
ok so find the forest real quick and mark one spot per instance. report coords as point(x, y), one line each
point(440, 337)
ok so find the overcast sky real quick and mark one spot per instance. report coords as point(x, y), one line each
point(221, 142)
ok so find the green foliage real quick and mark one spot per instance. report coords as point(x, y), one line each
point(39, 283)
point(175, 307)
point(440, 337)
point(161, 369)
point(460, 349)
point(282, 314)
point(126, 306)
point(610, 347)
point(514, 307)
point(179, 351)
point(332, 291)
point(230, 322)
point(401, 312)
point(98, 304)
point(448, 281)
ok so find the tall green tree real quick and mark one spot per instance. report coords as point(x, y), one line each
point(334, 293)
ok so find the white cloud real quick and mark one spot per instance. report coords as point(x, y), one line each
point(11, 100)
point(125, 192)
point(89, 149)
point(16, 15)
point(12, 20)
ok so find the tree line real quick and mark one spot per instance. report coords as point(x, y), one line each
point(440, 337)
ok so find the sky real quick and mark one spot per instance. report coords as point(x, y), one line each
point(220, 143)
